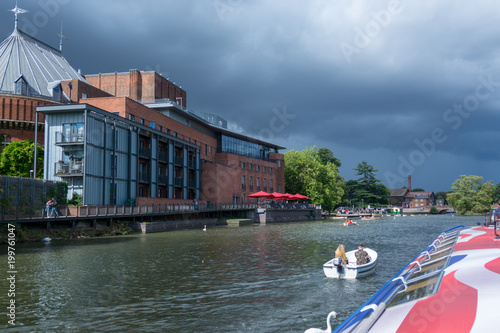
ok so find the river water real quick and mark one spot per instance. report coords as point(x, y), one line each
point(260, 278)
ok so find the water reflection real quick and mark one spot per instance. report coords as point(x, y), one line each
point(249, 279)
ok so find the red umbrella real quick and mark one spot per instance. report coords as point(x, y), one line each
point(278, 195)
point(290, 196)
point(260, 194)
point(300, 196)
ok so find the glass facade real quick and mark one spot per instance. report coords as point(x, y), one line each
point(228, 144)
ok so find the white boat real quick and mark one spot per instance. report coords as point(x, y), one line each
point(333, 269)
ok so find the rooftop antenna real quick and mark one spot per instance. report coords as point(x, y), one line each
point(61, 38)
point(16, 10)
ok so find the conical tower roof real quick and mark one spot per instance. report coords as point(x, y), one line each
point(40, 65)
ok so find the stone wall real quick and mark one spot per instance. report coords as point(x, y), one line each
point(151, 227)
point(287, 215)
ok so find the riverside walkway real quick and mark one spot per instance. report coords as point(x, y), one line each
point(93, 216)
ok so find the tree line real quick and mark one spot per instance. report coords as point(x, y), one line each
point(314, 172)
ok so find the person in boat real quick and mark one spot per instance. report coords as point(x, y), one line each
point(496, 212)
point(340, 252)
point(362, 257)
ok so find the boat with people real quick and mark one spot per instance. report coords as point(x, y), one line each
point(350, 223)
point(451, 286)
point(335, 268)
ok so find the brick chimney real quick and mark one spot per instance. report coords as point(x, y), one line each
point(409, 183)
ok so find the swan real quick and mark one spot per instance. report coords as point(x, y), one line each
point(205, 228)
point(47, 239)
point(328, 326)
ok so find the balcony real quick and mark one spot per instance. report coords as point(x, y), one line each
point(178, 181)
point(163, 157)
point(71, 138)
point(162, 180)
point(144, 152)
point(70, 169)
point(192, 163)
point(144, 177)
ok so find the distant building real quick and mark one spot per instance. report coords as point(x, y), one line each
point(398, 196)
point(420, 199)
point(122, 137)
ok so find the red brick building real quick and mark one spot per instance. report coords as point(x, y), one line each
point(195, 155)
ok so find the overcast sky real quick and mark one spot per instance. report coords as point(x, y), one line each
point(410, 87)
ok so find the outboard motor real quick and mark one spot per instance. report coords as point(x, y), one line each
point(337, 262)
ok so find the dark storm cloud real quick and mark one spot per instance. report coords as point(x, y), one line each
point(371, 80)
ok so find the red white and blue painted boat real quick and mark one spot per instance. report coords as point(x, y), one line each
point(451, 286)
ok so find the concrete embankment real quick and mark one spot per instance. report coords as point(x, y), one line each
point(259, 216)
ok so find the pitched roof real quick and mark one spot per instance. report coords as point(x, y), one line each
point(426, 194)
point(39, 64)
point(398, 192)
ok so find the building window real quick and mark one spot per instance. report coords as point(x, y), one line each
point(84, 95)
point(243, 183)
point(250, 183)
point(72, 132)
point(152, 124)
point(279, 164)
point(232, 145)
point(141, 121)
point(271, 185)
point(160, 128)
point(264, 169)
point(249, 166)
point(131, 117)
point(270, 171)
point(57, 92)
point(242, 165)
point(265, 184)
point(257, 167)
point(258, 184)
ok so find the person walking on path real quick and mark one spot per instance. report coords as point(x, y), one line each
point(53, 207)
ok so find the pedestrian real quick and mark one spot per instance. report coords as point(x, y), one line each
point(48, 207)
point(53, 206)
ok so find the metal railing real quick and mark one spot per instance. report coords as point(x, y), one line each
point(68, 169)
point(143, 210)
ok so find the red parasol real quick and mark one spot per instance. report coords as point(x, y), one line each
point(260, 194)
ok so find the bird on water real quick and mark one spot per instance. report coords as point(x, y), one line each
point(328, 326)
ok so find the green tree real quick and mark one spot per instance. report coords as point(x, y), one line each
point(470, 195)
point(441, 195)
point(368, 189)
point(16, 159)
point(306, 174)
point(326, 155)
point(418, 190)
